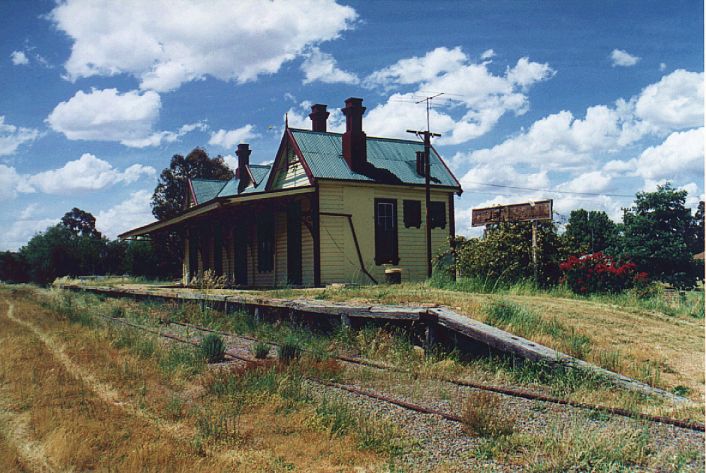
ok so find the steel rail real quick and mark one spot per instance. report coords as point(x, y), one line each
point(350, 389)
point(520, 393)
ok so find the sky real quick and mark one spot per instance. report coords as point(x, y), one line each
point(585, 103)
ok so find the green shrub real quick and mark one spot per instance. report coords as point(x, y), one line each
point(261, 350)
point(213, 348)
point(289, 350)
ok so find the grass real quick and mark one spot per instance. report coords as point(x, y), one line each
point(627, 334)
point(261, 350)
point(212, 348)
point(396, 348)
point(482, 415)
point(267, 417)
point(149, 392)
point(521, 321)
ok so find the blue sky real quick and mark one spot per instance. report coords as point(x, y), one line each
point(566, 99)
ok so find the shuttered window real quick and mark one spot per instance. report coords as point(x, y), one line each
point(437, 214)
point(412, 213)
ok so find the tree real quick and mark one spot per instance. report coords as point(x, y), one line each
point(51, 254)
point(696, 244)
point(656, 236)
point(504, 254)
point(169, 200)
point(81, 223)
point(13, 267)
point(589, 232)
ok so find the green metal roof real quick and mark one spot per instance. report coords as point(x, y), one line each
point(206, 189)
point(323, 153)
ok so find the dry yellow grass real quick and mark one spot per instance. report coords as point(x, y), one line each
point(71, 402)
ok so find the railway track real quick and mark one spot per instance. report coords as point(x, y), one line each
point(694, 426)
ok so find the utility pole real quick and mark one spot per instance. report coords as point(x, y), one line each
point(427, 177)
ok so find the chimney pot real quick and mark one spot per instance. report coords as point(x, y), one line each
point(243, 153)
point(354, 139)
point(318, 116)
point(420, 163)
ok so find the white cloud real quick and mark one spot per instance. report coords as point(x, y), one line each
point(562, 142)
point(9, 182)
point(322, 67)
point(505, 176)
point(133, 212)
point(620, 57)
point(108, 115)
point(662, 66)
point(165, 43)
point(11, 137)
point(487, 54)
point(88, 173)
point(474, 99)
point(592, 181)
point(675, 102)
point(22, 230)
point(19, 58)
point(230, 138)
point(418, 69)
point(525, 73)
point(681, 155)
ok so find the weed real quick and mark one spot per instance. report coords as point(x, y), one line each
point(175, 407)
point(681, 390)
point(213, 348)
point(289, 350)
point(341, 419)
point(179, 359)
point(261, 350)
point(482, 415)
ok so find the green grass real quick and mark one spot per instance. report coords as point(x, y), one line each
point(525, 323)
point(656, 299)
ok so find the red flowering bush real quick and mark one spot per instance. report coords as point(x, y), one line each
point(598, 272)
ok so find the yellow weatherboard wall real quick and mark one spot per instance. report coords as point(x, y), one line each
point(339, 259)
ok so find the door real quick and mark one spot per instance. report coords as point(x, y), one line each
point(240, 241)
point(193, 255)
point(294, 245)
point(386, 231)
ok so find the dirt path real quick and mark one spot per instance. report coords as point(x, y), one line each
point(14, 429)
point(104, 391)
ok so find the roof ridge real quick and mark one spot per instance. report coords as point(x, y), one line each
point(209, 180)
point(399, 140)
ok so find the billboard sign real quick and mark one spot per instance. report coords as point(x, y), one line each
point(525, 212)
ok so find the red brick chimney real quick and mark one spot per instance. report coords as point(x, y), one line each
point(318, 116)
point(243, 153)
point(354, 140)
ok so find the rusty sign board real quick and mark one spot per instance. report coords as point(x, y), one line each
point(525, 212)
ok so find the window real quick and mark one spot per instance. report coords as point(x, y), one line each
point(265, 243)
point(437, 214)
point(412, 213)
point(386, 231)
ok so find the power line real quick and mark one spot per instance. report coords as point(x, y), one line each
point(550, 190)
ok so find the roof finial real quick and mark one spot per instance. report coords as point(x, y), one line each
point(286, 121)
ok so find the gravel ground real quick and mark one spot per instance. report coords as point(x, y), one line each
point(441, 445)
